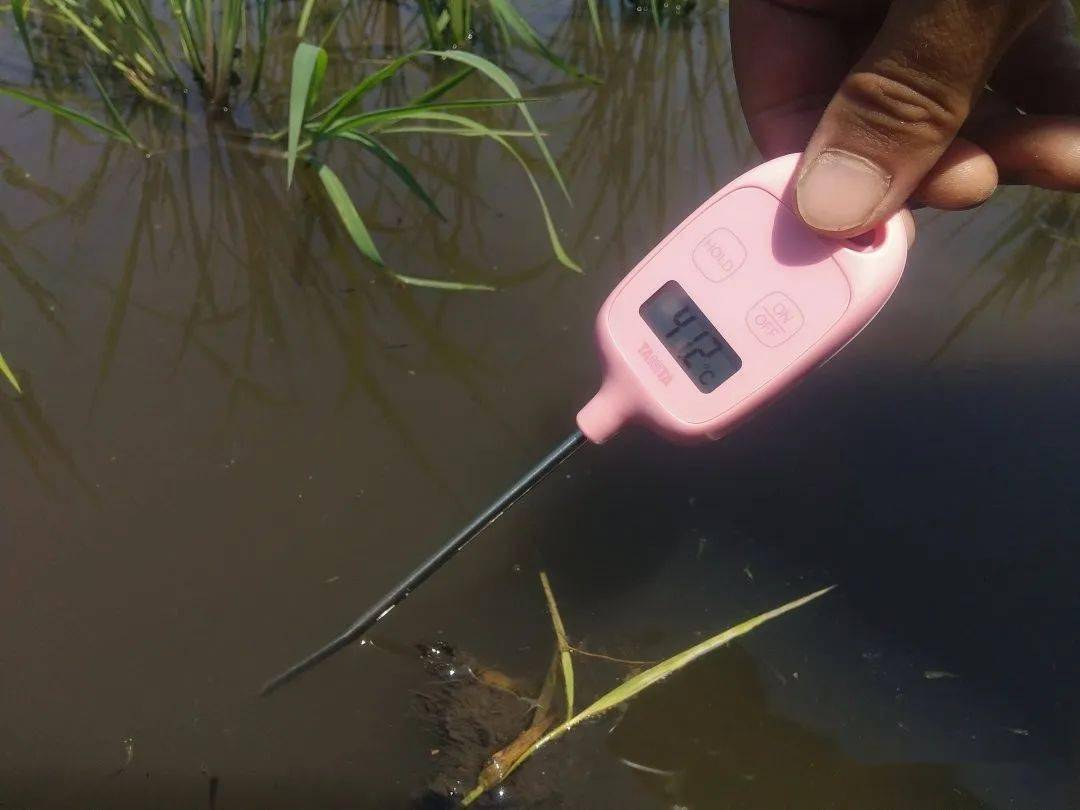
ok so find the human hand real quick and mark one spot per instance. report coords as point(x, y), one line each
point(936, 101)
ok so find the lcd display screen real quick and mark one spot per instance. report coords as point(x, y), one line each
point(701, 351)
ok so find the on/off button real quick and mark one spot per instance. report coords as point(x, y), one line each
point(774, 319)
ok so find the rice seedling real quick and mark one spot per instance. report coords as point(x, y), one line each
point(134, 45)
point(540, 732)
point(455, 24)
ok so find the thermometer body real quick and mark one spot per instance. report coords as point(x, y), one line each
point(735, 306)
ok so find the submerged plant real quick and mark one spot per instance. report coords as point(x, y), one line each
point(540, 732)
point(454, 24)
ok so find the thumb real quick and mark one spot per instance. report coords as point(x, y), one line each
point(901, 107)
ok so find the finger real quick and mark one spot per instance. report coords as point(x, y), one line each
point(964, 177)
point(898, 111)
point(1038, 150)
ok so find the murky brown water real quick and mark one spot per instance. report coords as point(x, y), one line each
point(235, 435)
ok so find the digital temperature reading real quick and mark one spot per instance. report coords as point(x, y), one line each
point(692, 340)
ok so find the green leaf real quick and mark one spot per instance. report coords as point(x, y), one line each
point(18, 11)
point(564, 645)
point(507, 14)
point(642, 681)
point(594, 15)
point(348, 214)
point(503, 80)
point(114, 114)
point(436, 284)
point(458, 131)
point(396, 166)
point(6, 371)
point(480, 129)
point(361, 237)
point(305, 14)
point(388, 114)
point(309, 66)
point(351, 96)
point(442, 88)
point(62, 111)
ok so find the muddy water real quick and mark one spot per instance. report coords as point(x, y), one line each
point(235, 435)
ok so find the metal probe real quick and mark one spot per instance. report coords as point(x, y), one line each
point(433, 563)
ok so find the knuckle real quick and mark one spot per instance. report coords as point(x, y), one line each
point(896, 102)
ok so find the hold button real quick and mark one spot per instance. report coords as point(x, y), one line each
point(719, 255)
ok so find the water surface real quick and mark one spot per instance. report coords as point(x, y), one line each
point(236, 434)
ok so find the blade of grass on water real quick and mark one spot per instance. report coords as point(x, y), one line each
point(305, 15)
point(480, 129)
point(309, 65)
point(503, 80)
point(114, 114)
point(369, 119)
point(512, 19)
point(594, 15)
point(396, 166)
point(445, 86)
point(361, 237)
point(18, 11)
point(352, 95)
point(6, 371)
point(564, 646)
point(64, 112)
point(642, 681)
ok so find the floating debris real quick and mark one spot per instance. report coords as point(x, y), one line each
point(129, 755)
point(939, 675)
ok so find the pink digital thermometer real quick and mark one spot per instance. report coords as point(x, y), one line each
point(735, 306)
point(729, 311)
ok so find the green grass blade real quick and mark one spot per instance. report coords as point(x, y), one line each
point(309, 65)
point(436, 284)
point(18, 11)
point(352, 95)
point(594, 15)
point(564, 645)
point(396, 166)
point(480, 129)
point(8, 374)
point(64, 112)
point(188, 36)
point(443, 87)
point(361, 237)
point(348, 214)
point(509, 16)
point(262, 20)
point(503, 80)
point(460, 132)
point(114, 114)
point(305, 15)
point(390, 114)
point(642, 681)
